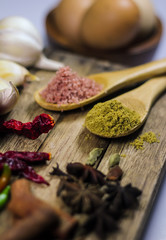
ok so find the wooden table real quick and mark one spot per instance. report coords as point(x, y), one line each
point(70, 141)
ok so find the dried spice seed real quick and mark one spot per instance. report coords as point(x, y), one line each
point(115, 173)
point(41, 124)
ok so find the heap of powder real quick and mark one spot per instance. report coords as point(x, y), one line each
point(149, 137)
point(67, 87)
point(111, 119)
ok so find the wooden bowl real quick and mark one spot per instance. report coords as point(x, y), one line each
point(137, 53)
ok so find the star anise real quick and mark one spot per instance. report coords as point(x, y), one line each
point(80, 198)
point(86, 173)
point(101, 222)
point(88, 191)
point(122, 197)
point(58, 172)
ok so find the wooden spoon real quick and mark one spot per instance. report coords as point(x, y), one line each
point(139, 100)
point(111, 81)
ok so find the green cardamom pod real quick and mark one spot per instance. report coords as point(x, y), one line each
point(114, 160)
point(94, 156)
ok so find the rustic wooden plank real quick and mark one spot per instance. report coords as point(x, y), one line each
point(144, 169)
point(69, 141)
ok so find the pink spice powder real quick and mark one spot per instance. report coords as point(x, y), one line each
point(67, 87)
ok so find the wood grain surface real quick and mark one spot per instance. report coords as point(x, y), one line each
point(69, 141)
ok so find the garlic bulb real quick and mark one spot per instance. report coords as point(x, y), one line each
point(8, 96)
point(20, 42)
point(15, 73)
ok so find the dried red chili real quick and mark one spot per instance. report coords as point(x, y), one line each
point(18, 163)
point(1, 166)
point(14, 164)
point(41, 124)
point(27, 156)
point(30, 174)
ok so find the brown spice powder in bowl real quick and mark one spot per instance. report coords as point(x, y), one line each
point(67, 87)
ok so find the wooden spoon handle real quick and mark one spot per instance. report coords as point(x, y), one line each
point(145, 71)
point(149, 91)
point(136, 74)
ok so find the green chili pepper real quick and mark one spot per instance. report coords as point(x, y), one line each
point(4, 195)
point(5, 176)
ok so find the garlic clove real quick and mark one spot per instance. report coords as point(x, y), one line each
point(15, 73)
point(48, 64)
point(23, 25)
point(19, 47)
point(8, 96)
point(21, 42)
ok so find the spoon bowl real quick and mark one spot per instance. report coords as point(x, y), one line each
point(138, 100)
point(111, 82)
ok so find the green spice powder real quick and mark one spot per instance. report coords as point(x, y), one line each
point(149, 137)
point(111, 118)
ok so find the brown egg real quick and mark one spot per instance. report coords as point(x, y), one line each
point(69, 15)
point(147, 17)
point(110, 24)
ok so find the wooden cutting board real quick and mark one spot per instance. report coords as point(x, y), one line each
point(69, 141)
